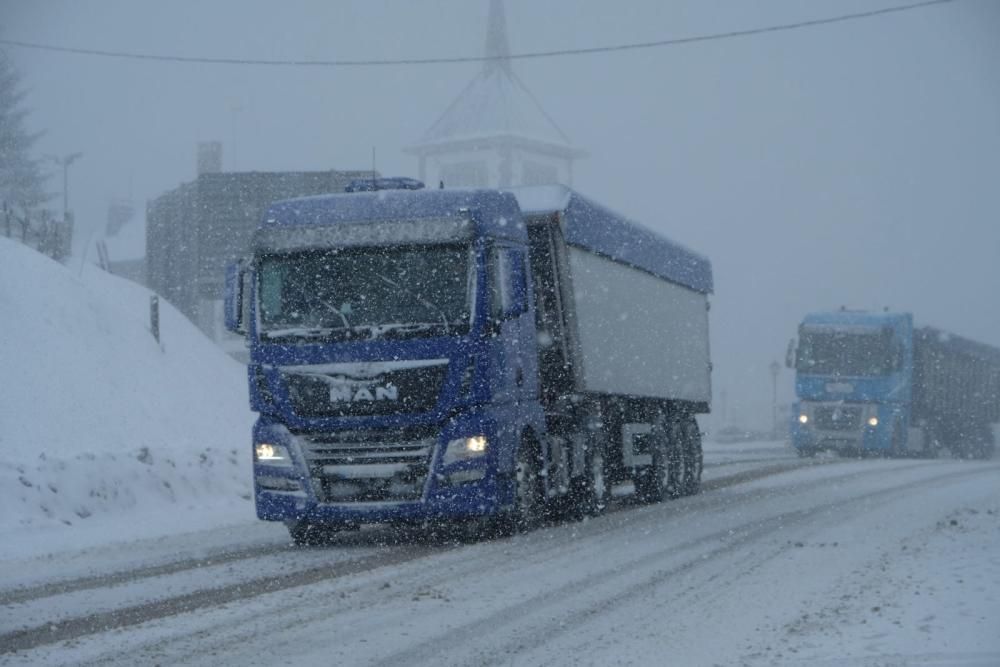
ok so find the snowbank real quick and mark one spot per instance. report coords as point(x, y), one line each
point(96, 418)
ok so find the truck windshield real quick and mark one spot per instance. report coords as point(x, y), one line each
point(846, 353)
point(367, 293)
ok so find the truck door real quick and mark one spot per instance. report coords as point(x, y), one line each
point(511, 320)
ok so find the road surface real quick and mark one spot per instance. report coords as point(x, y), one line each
point(778, 561)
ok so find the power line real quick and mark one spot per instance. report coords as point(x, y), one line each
point(711, 37)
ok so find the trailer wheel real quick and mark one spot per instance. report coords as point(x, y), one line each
point(596, 492)
point(678, 462)
point(650, 485)
point(693, 458)
point(983, 444)
point(654, 482)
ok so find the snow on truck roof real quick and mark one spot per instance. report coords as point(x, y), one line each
point(589, 225)
point(386, 205)
point(375, 217)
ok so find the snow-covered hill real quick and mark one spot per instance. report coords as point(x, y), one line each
point(100, 426)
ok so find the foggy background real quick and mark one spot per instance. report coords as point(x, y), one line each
point(851, 164)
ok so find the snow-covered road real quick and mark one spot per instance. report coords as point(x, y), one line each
point(778, 561)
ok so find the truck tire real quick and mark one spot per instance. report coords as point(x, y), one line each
point(983, 443)
point(678, 463)
point(306, 534)
point(932, 447)
point(529, 495)
point(694, 458)
point(656, 481)
point(896, 450)
point(596, 491)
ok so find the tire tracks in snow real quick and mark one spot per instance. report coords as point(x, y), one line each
point(107, 580)
point(122, 617)
point(553, 613)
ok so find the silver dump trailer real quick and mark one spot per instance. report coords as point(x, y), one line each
point(622, 329)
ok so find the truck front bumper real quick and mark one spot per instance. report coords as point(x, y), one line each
point(466, 500)
point(376, 475)
point(818, 434)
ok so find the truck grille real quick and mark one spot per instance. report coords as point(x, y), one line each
point(838, 417)
point(405, 390)
point(369, 466)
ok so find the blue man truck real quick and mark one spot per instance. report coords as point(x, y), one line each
point(872, 383)
point(467, 355)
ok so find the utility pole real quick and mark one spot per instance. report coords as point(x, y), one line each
point(775, 368)
point(64, 162)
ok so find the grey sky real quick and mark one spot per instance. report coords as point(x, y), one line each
point(854, 164)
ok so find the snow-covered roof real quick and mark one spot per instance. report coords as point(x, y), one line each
point(496, 104)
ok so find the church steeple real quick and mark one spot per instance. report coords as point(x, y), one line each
point(495, 133)
point(497, 46)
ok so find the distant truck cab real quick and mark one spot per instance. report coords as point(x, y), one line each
point(872, 383)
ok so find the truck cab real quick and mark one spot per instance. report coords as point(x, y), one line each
point(390, 335)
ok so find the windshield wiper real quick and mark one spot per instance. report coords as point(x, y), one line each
point(424, 302)
point(336, 311)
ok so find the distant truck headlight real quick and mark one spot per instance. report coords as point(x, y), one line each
point(803, 419)
point(275, 455)
point(873, 421)
point(463, 449)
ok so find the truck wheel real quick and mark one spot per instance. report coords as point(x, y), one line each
point(651, 481)
point(932, 447)
point(896, 447)
point(596, 488)
point(306, 534)
point(678, 463)
point(695, 458)
point(529, 497)
point(983, 443)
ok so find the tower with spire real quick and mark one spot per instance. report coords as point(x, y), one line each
point(495, 133)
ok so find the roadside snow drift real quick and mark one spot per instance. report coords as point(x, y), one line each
point(98, 420)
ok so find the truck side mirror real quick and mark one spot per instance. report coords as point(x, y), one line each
point(508, 285)
point(235, 297)
point(790, 354)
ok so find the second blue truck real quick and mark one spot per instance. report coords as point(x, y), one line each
point(873, 383)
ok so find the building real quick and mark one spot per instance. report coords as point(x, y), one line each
point(495, 133)
point(196, 229)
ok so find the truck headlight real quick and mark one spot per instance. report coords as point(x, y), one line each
point(873, 421)
point(270, 454)
point(463, 449)
point(803, 419)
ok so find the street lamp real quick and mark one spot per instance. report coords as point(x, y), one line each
point(64, 162)
point(775, 368)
